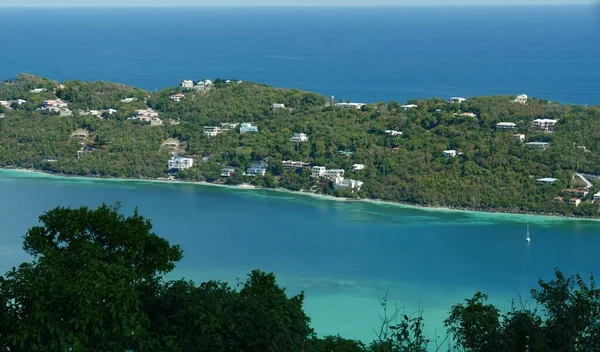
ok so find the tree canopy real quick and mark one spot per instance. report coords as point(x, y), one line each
point(94, 284)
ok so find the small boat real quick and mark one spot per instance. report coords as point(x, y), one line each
point(528, 238)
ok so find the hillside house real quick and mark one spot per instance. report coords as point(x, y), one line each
point(455, 100)
point(277, 106)
point(448, 154)
point(155, 121)
point(145, 114)
point(211, 131)
point(558, 199)
point(546, 181)
point(506, 126)
point(257, 169)
point(468, 114)
point(37, 90)
point(296, 164)
point(227, 172)
point(177, 97)
point(299, 137)
point(521, 99)
point(5, 104)
point(128, 100)
point(519, 137)
point(547, 125)
point(356, 106)
point(187, 84)
point(393, 133)
point(597, 196)
point(358, 167)
point(80, 133)
point(538, 145)
point(57, 103)
point(340, 183)
point(318, 171)
point(178, 163)
point(247, 127)
point(571, 192)
point(574, 201)
point(409, 106)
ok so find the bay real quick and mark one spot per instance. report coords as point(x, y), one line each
point(357, 54)
point(343, 254)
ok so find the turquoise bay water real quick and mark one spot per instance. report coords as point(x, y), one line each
point(342, 254)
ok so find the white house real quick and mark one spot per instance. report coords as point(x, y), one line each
point(37, 90)
point(393, 133)
point(20, 101)
point(299, 137)
point(333, 173)
point(128, 100)
point(357, 106)
point(318, 171)
point(574, 201)
point(546, 180)
point(211, 131)
point(538, 145)
point(544, 124)
point(519, 137)
point(59, 104)
point(188, 84)
point(111, 111)
point(227, 172)
point(155, 121)
point(277, 106)
point(449, 153)
point(247, 127)
point(258, 169)
point(178, 163)
point(358, 167)
point(521, 99)
point(456, 100)
point(177, 97)
point(408, 106)
point(506, 126)
point(296, 164)
point(597, 196)
point(468, 114)
point(340, 183)
point(5, 103)
point(144, 115)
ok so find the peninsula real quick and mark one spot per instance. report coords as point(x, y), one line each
point(498, 153)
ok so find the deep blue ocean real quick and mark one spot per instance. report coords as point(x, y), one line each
point(357, 54)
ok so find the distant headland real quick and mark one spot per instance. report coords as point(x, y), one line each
point(513, 154)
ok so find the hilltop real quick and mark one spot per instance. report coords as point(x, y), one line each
point(428, 152)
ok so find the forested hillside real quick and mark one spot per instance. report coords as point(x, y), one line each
point(493, 171)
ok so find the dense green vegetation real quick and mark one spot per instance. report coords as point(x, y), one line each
point(95, 284)
point(494, 173)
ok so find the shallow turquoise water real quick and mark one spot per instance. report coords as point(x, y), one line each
point(342, 254)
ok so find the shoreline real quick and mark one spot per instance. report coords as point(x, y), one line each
point(246, 186)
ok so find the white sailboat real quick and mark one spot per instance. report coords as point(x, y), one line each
point(528, 238)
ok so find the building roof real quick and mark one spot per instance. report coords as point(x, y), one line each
point(547, 179)
point(506, 124)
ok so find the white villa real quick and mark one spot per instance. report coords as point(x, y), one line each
point(128, 100)
point(211, 131)
point(521, 99)
point(277, 106)
point(409, 106)
point(296, 164)
point(468, 114)
point(394, 133)
point(449, 153)
point(574, 201)
point(155, 121)
point(358, 167)
point(258, 169)
point(456, 100)
point(506, 126)
point(57, 105)
point(5, 103)
point(177, 97)
point(227, 172)
point(19, 101)
point(544, 124)
point(340, 183)
point(247, 127)
point(597, 196)
point(144, 115)
point(546, 180)
point(519, 137)
point(37, 90)
point(178, 163)
point(299, 137)
point(538, 145)
point(321, 171)
point(187, 84)
point(357, 106)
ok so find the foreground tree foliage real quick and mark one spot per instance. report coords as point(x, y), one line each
point(95, 284)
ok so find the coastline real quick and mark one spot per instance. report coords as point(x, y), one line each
point(248, 187)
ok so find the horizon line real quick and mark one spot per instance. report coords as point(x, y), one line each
point(295, 6)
